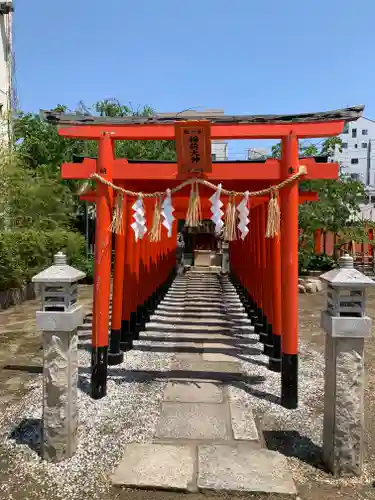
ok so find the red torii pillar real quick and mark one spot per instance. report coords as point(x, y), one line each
point(128, 285)
point(115, 354)
point(102, 275)
point(289, 275)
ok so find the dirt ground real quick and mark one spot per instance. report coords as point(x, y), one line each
point(20, 346)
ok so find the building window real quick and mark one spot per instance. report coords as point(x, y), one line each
point(355, 177)
point(364, 132)
point(344, 145)
point(364, 145)
point(356, 146)
point(346, 128)
point(354, 133)
point(354, 161)
point(213, 157)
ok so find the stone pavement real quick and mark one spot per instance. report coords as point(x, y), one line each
point(204, 439)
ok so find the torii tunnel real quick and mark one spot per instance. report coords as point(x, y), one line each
point(264, 270)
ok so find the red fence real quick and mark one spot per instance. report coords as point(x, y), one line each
point(327, 242)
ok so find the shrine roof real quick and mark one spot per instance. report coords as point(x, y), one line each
point(318, 159)
point(58, 118)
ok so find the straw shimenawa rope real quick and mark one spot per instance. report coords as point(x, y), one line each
point(302, 171)
point(230, 220)
point(273, 218)
point(194, 213)
point(155, 233)
point(117, 224)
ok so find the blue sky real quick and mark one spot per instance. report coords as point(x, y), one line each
point(244, 56)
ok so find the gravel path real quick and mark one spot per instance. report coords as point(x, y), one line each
point(128, 413)
point(135, 408)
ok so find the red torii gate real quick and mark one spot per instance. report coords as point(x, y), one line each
point(256, 262)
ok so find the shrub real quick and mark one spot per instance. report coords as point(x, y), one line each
point(24, 253)
point(86, 265)
point(309, 261)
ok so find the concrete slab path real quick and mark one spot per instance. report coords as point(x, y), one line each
point(204, 440)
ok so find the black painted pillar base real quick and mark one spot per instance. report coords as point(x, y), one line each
point(264, 332)
point(268, 350)
point(274, 365)
point(274, 362)
point(289, 381)
point(267, 339)
point(259, 323)
point(133, 325)
point(140, 322)
point(126, 343)
point(150, 306)
point(99, 365)
point(115, 355)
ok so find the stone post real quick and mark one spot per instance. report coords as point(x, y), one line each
point(347, 326)
point(59, 318)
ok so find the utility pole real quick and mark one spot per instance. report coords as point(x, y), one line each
point(6, 103)
point(6, 68)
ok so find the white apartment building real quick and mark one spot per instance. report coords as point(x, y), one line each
point(357, 158)
point(219, 150)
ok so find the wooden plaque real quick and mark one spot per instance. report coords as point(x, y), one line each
point(193, 147)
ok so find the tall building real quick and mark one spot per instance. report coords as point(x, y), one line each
point(219, 150)
point(6, 70)
point(357, 159)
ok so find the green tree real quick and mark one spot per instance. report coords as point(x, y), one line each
point(339, 200)
point(43, 151)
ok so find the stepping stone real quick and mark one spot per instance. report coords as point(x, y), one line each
point(204, 337)
point(206, 368)
point(243, 422)
point(243, 468)
point(200, 392)
point(220, 357)
point(199, 306)
point(225, 352)
point(191, 298)
point(192, 314)
point(158, 466)
point(193, 421)
point(197, 312)
point(189, 320)
point(184, 326)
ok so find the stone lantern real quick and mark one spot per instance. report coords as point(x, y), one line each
point(346, 324)
point(59, 318)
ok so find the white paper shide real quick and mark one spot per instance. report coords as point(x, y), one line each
point(167, 212)
point(216, 211)
point(139, 224)
point(243, 215)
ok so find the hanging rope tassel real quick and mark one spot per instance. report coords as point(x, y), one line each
point(230, 220)
point(273, 219)
point(194, 212)
point(117, 224)
point(155, 233)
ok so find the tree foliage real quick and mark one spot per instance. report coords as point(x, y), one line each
point(339, 200)
point(40, 213)
point(43, 150)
